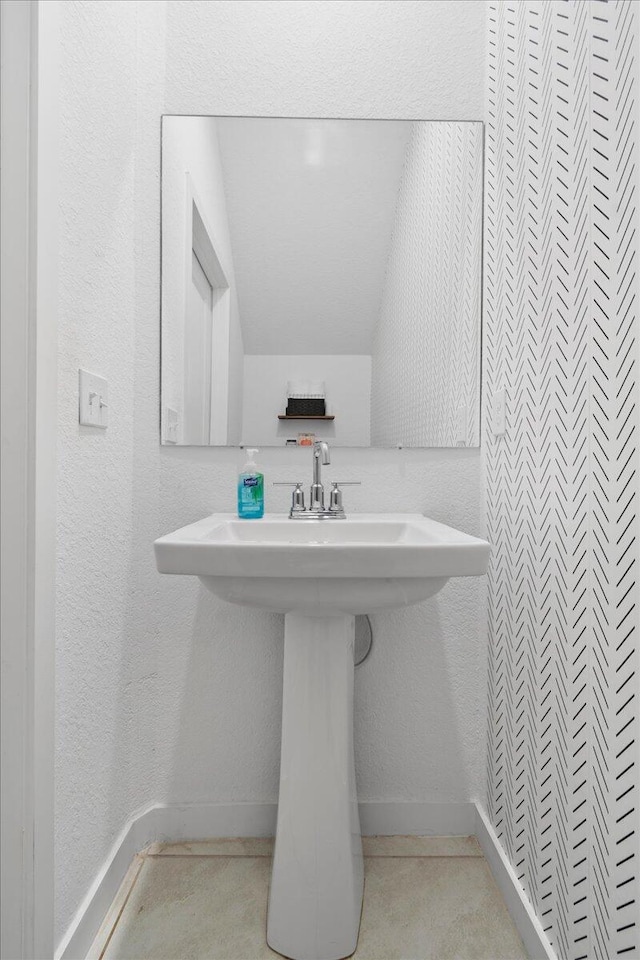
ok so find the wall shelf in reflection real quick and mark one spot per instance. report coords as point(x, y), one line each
point(284, 416)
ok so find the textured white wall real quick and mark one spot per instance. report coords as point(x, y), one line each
point(562, 333)
point(348, 393)
point(107, 657)
point(426, 352)
point(165, 693)
point(331, 58)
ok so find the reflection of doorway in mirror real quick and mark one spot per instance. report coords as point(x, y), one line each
point(198, 330)
point(206, 332)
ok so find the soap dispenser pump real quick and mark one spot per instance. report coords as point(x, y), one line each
point(251, 489)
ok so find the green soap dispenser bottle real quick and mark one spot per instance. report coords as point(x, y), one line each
point(251, 489)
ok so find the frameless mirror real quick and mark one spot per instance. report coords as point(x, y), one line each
point(321, 279)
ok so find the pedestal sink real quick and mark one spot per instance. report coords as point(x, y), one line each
point(319, 574)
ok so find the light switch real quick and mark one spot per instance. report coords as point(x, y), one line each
point(94, 400)
point(170, 425)
point(499, 413)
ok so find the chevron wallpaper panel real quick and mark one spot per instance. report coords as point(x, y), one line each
point(426, 352)
point(563, 497)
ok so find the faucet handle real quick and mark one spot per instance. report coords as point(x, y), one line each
point(335, 497)
point(297, 498)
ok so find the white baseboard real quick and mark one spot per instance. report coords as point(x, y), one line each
point(198, 821)
point(91, 912)
point(386, 819)
point(522, 913)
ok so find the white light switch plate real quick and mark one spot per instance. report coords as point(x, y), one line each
point(94, 400)
point(499, 412)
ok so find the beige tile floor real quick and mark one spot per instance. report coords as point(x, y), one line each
point(426, 898)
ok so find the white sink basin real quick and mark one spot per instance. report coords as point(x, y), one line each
point(364, 563)
point(319, 573)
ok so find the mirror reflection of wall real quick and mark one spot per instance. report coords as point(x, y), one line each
point(320, 277)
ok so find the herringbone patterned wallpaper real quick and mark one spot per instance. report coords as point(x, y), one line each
point(561, 335)
point(426, 352)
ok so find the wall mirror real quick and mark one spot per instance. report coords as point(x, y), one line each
point(321, 279)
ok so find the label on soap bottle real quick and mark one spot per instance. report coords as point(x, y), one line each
point(250, 495)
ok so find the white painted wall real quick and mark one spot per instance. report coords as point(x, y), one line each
point(347, 390)
point(405, 60)
point(190, 146)
point(164, 692)
point(107, 657)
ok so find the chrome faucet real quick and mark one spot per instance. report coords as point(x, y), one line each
point(320, 454)
point(317, 511)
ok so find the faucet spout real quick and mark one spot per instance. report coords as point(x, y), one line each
point(321, 449)
point(322, 455)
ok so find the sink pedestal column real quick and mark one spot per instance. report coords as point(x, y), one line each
point(315, 898)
